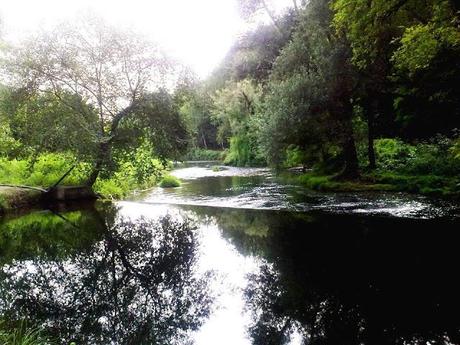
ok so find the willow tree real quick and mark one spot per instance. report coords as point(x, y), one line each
point(109, 70)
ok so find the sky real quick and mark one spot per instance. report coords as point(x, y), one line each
point(196, 32)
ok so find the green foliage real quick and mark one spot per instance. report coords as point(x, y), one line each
point(294, 157)
point(197, 154)
point(43, 170)
point(47, 123)
point(243, 152)
point(136, 171)
point(8, 145)
point(22, 335)
point(330, 183)
point(308, 103)
point(169, 181)
point(420, 43)
point(425, 158)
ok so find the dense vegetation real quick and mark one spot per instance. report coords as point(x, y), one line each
point(366, 91)
point(90, 97)
point(357, 90)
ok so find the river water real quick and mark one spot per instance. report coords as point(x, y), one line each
point(236, 256)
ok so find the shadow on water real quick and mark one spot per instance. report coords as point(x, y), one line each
point(93, 277)
point(342, 279)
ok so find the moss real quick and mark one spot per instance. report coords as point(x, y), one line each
point(169, 181)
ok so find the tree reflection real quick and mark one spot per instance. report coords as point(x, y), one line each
point(135, 286)
point(341, 279)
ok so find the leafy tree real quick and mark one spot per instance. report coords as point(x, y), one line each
point(195, 103)
point(43, 123)
point(253, 54)
point(110, 71)
point(407, 52)
point(236, 113)
point(310, 92)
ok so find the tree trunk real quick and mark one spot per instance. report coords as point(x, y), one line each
point(351, 167)
point(369, 112)
point(370, 140)
point(101, 159)
point(204, 141)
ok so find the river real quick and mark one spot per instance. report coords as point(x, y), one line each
point(236, 256)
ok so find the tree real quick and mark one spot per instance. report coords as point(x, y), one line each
point(109, 70)
point(310, 91)
point(407, 53)
point(253, 54)
point(235, 111)
point(43, 123)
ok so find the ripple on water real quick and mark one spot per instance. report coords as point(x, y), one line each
point(257, 188)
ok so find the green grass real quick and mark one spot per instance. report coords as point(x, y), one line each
point(422, 184)
point(44, 170)
point(330, 184)
point(169, 181)
point(22, 335)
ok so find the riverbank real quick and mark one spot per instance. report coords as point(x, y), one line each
point(431, 185)
point(14, 197)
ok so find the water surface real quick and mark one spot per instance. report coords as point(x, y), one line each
point(236, 256)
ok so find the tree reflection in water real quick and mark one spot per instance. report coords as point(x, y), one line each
point(135, 286)
point(348, 279)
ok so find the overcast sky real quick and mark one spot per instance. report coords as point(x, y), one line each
point(197, 32)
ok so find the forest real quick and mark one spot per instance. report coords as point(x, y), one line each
point(363, 95)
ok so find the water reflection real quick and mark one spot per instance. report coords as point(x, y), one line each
point(162, 274)
point(335, 279)
point(133, 284)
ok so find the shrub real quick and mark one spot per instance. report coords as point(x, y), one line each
point(169, 181)
point(434, 157)
point(22, 335)
point(198, 154)
point(392, 154)
point(294, 157)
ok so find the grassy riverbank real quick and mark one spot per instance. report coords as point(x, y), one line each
point(422, 184)
point(46, 169)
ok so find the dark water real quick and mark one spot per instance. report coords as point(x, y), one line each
point(236, 257)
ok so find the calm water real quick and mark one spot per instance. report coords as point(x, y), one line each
point(236, 257)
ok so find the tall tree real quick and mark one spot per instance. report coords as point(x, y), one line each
point(406, 51)
point(311, 89)
point(107, 69)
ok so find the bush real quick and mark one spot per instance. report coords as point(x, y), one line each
point(198, 154)
point(392, 154)
point(43, 171)
point(169, 181)
point(48, 168)
point(294, 157)
point(437, 157)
